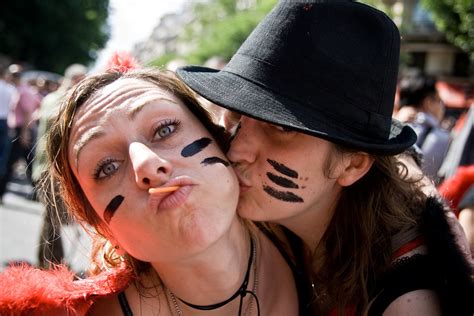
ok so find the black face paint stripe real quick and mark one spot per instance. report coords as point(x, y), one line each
point(284, 196)
point(283, 169)
point(283, 182)
point(112, 207)
point(214, 160)
point(195, 147)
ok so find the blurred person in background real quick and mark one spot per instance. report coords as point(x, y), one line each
point(458, 173)
point(50, 249)
point(46, 86)
point(417, 91)
point(8, 95)
point(21, 126)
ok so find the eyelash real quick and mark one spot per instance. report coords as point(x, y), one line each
point(100, 168)
point(174, 122)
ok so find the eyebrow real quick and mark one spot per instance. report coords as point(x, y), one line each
point(132, 113)
point(86, 138)
point(94, 134)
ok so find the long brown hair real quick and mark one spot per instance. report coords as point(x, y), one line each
point(60, 172)
point(357, 245)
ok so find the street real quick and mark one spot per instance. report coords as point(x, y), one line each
point(20, 225)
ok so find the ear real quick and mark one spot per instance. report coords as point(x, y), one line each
point(356, 165)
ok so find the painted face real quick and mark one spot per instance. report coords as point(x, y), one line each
point(132, 136)
point(281, 173)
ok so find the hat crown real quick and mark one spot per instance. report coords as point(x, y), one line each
point(338, 58)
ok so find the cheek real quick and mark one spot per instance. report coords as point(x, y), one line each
point(223, 186)
point(282, 181)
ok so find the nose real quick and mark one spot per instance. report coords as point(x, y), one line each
point(245, 144)
point(150, 169)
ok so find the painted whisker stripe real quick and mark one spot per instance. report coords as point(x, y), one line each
point(283, 169)
point(214, 160)
point(284, 196)
point(195, 147)
point(283, 182)
point(112, 207)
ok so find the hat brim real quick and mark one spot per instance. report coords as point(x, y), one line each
point(241, 95)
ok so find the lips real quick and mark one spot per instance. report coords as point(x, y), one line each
point(176, 198)
point(168, 200)
point(243, 185)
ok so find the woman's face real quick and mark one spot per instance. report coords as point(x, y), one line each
point(132, 136)
point(281, 173)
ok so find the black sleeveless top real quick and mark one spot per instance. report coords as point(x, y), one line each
point(304, 287)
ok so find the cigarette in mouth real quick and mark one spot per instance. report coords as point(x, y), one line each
point(162, 189)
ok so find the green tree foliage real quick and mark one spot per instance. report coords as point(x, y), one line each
point(51, 34)
point(220, 27)
point(454, 18)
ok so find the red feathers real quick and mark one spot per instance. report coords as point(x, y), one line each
point(26, 290)
point(122, 62)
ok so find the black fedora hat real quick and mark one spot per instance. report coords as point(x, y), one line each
point(325, 68)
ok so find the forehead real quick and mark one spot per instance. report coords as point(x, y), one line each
point(124, 96)
point(123, 93)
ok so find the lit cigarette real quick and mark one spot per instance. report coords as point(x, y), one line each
point(162, 189)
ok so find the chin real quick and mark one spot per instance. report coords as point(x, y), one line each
point(200, 232)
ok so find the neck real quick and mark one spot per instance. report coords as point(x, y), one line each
point(205, 280)
point(311, 224)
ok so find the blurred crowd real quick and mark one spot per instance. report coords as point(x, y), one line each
point(27, 105)
point(445, 143)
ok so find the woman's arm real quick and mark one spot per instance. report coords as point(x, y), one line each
point(419, 302)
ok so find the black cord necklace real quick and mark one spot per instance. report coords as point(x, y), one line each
point(241, 291)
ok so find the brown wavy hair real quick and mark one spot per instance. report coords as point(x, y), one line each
point(60, 175)
point(357, 245)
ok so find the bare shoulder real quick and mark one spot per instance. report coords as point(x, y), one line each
point(419, 302)
point(106, 306)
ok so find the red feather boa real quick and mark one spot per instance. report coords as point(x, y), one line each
point(25, 290)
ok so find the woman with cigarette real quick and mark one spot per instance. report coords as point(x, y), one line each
point(139, 160)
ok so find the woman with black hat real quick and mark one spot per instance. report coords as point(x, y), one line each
point(315, 152)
